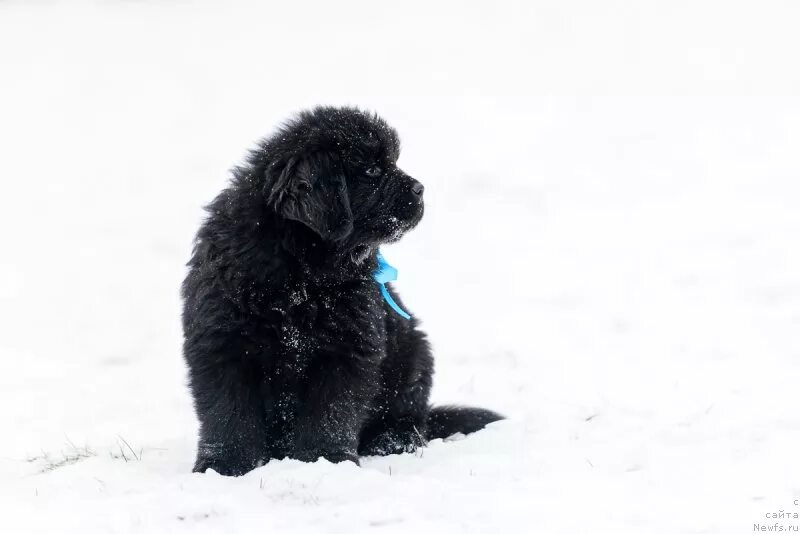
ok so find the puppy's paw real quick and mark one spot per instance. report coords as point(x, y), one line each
point(334, 457)
point(224, 466)
point(392, 442)
point(341, 457)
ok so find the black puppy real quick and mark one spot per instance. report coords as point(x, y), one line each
point(292, 349)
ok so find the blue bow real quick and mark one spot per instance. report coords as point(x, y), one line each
point(386, 273)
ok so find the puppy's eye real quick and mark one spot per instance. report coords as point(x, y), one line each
point(373, 171)
point(304, 187)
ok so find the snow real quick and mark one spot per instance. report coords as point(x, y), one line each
point(609, 257)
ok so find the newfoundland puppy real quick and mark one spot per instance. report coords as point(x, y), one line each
point(294, 345)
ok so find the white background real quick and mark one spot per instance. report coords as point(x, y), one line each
point(609, 257)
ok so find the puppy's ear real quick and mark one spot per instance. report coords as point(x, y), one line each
point(312, 190)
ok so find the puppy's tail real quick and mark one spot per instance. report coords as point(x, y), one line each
point(444, 421)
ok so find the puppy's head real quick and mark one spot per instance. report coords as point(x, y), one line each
point(334, 170)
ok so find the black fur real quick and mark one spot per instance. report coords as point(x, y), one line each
point(292, 351)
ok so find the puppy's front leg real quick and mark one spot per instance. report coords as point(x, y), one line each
point(232, 426)
point(333, 407)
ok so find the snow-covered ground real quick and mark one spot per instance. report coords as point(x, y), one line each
point(613, 202)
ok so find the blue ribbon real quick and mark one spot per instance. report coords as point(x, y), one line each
point(386, 273)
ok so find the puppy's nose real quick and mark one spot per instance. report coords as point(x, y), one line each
point(418, 188)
